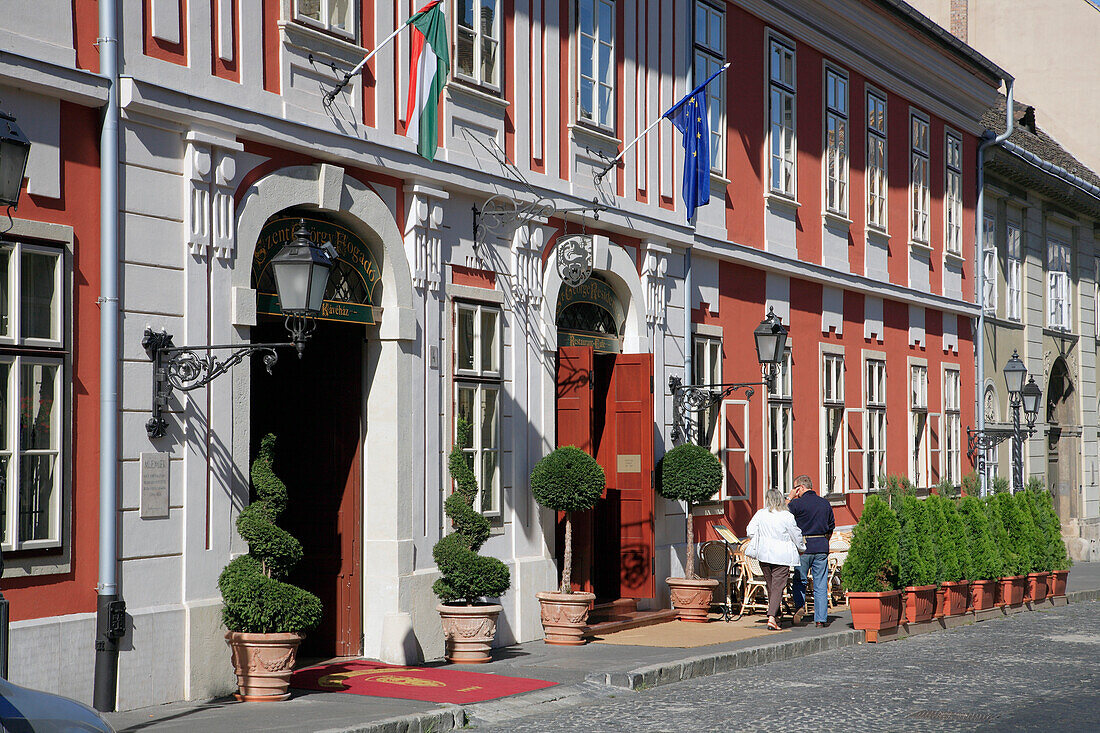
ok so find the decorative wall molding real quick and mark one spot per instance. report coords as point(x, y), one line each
point(423, 236)
point(654, 274)
point(527, 244)
point(210, 168)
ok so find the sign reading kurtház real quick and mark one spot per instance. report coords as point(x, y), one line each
point(353, 285)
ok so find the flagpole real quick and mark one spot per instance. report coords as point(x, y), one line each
point(599, 176)
point(330, 96)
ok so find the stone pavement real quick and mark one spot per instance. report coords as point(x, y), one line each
point(585, 674)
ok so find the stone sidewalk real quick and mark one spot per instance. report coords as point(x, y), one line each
point(582, 673)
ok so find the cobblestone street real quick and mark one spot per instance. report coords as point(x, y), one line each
point(1030, 671)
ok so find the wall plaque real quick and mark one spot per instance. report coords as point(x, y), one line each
point(154, 485)
point(629, 464)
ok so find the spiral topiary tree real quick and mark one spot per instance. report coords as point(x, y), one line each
point(872, 563)
point(567, 480)
point(690, 473)
point(467, 576)
point(986, 562)
point(916, 560)
point(255, 598)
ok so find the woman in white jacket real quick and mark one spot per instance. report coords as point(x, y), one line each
point(775, 542)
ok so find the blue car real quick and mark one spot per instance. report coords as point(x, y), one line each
point(23, 710)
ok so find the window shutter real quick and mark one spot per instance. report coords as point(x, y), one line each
point(735, 449)
point(854, 427)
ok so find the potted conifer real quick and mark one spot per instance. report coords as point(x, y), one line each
point(1035, 537)
point(690, 473)
point(957, 591)
point(1005, 520)
point(469, 623)
point(986, 562)
point(567, 480)
point(1058, 560)
point(916, 560)
point(266, 618)
point(871, 569)
point(947, 562)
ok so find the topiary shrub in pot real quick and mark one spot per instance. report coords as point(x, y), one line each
point(567, 480)
point(690, 473)
point(916, 560)
point(870, 573)
point(1058, 560)
point(266, 618)
point(957, 592)
point(1006, 522)
point(947, 556)
point(1039, 571)
point(986, 563)
point(469, 623)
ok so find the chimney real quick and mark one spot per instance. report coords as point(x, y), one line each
point(958, 19)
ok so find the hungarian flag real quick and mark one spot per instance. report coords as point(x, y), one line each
point(430, 64)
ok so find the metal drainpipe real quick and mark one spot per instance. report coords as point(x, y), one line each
point(110, 611)
point(687, 323)
point(979, 339)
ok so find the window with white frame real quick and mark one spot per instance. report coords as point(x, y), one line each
point(832, 416)
point(780, 430)
point(953, 205)
point(989, 264)
point(477, 41)
point(781, 91)
point(877, 181)
point(919, 194)
point(596, 67)
point(1058, 284)
point(918, 418)
point(335, 16)
point(875, 403)
point(32, 379)
point(710, 53)
point(477, 391)
point(706, 364)
point(836, 141)
point(1013, 272)
point(952, 427)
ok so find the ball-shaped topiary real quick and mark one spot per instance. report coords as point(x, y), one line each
point(567, 480)
point(255, 600)
point(467, 576)
point(690, 473)
point(986, 562)
point(916, 558)
point(872, 563)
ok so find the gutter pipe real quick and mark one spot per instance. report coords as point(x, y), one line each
point(110, 610)
point(979, 339)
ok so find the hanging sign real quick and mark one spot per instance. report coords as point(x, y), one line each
point(590, 315)
point(575, 257)
point(353, 286)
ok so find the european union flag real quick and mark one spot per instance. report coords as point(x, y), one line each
point(689, 115)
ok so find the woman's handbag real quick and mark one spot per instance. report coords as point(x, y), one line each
point(752, 549)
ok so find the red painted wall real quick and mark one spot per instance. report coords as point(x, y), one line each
point(175, 53)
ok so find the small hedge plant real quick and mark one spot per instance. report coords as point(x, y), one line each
point(916, 558)
point(1002, 542)
point(986, 562)
point(894, 487)
point(567, 480)
point(1050, 527)
point(255, 598)
point(948, 568)
point(467, 576)
point(872, 563)
point(960, 535)
point(690, 473)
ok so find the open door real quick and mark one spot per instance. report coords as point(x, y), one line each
point(574, 419)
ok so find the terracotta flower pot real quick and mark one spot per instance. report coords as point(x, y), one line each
point(920, 602)
point(1058, 580)
point(875, 611)
point(939, 603)
point(263, 663)
point(692, 597)
point(998, 592)
point(955, 597)
point(1012, 590)
point(564, 616)
point(468, 631)
point(1036, 587)
point(982, 594)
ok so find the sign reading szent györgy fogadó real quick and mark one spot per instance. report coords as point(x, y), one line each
point(353, 286)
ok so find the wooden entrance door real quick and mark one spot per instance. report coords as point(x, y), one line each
point(314, 407)
point(574, 420)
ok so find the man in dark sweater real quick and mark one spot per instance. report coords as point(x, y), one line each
point(814, 516)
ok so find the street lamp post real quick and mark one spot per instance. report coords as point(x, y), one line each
point(1015, 373)
point(770, 337)
point(1020, 395)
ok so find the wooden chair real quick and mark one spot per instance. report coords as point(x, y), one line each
point(756, 588)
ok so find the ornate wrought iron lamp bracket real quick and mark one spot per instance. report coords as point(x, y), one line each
point(983, 440)
point(186, 367)
point(694, 399)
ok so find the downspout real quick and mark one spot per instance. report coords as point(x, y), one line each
point(687, 322)
point(110, 611)
point(979, 339)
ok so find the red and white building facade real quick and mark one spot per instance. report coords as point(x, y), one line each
point(843, 192)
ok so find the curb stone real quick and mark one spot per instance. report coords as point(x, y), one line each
point(433, 721)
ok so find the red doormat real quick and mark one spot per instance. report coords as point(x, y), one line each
point(429, 684)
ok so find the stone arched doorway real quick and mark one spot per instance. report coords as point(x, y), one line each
point(1063, 440)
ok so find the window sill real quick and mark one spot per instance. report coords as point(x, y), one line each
point(315, 25)
point(877, 233)
point(837, 498)
point(781, 201)
point(833, 220)
point(954, 258)
point(709, 509)
point(479, 92)
point(920, 247)
point(590, 130)
point(717, 180)
point(313, 40)
point(1061, 333)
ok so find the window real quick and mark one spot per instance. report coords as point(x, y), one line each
point(707, 367)
point(989, 265)
point(477, 396)
point(836, 142)
point(918, 417)
point(1058, 284)
point(710, 53)
point(781, 104)
point(779, 430)
point(921, 202)
point(1013, 273)
point(477, 40)
point(32, 375)
point(832, 413)
point(953, 205)
point(597, 61)
point(876, 160)
point(952, 427)
point(876, 423)
point(335, 16)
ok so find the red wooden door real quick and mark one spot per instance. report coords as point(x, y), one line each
point(574, 419)
point(630, 474)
